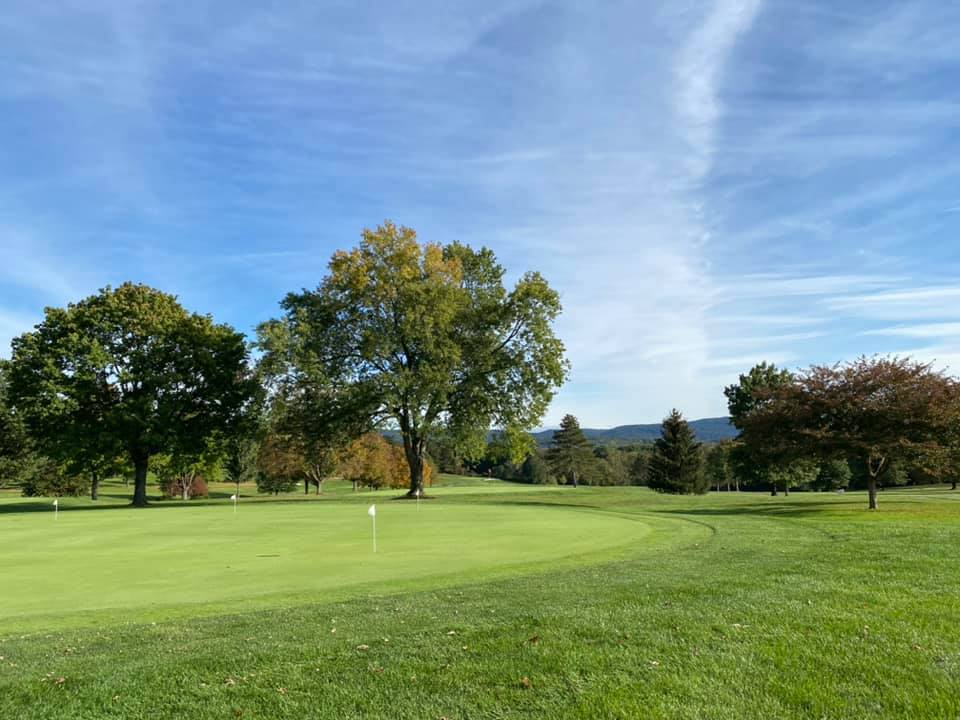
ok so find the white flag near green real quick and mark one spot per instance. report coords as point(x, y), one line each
point(372, 512)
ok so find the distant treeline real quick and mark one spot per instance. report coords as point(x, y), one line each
point(707, 430)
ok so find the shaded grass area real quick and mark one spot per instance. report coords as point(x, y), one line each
point(116, 494)
point(731, 606)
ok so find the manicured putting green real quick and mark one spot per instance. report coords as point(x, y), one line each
point(150, 564)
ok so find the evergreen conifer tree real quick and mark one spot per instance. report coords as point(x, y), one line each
point(676, 465)
point(570, 454)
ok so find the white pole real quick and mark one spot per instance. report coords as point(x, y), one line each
point(56, 509)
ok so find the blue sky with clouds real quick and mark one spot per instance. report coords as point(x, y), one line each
point(708, 184)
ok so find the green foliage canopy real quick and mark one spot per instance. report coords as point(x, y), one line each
point(875, 411)
point(128, 370)
point(423, 336)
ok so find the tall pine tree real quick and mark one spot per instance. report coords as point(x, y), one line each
point(676, 465)
point(570, 454)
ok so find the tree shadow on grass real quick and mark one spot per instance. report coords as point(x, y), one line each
point(776, 509)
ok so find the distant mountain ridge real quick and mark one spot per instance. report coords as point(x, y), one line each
point(706, 429)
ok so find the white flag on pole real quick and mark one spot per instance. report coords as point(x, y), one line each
point(372, 511)
point(56, 503)
point(233, 497)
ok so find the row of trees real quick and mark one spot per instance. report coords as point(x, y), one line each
point(570, 459)
point(423, 338)
point(867, 424)
point(264, 449)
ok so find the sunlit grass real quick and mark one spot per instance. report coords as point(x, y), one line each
point(632, 605)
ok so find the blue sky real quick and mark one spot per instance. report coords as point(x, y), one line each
point(709, 184)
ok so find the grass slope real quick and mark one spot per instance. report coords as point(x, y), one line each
point(726, 606)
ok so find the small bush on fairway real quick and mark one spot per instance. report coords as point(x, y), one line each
point(184, 487)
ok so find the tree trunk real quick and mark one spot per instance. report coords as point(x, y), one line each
point(95, 487)
point(414, 447)
point(786, 489)
point(773, 489)
point(953, 485)
point(416, 476)
point(574, 478)
point(319, 487)
point(872, 492)
point(306, 486)
point(141, 462)
point(184, 488)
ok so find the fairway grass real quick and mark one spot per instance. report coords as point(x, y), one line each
point(491, 601)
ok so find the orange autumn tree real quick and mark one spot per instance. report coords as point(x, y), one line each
point(373, 461)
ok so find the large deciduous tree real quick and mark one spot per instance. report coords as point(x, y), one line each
point(130, 370)
point(17, 457)
point(422, 336)
point(877, 411)
point(759, 464)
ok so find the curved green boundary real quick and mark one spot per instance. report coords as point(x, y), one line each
point(88, 568)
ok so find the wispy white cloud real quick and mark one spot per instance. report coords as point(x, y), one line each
point(911, 304)
point(699, 70)
point(930, 330)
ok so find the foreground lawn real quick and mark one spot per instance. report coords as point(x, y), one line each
point(492, 601)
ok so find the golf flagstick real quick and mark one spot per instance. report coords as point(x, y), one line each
point(372, 512)
point(56, 508)
point(234, 498)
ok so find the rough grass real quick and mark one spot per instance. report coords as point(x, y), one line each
point(636, 606)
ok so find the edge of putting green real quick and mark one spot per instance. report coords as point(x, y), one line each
point(659, 534)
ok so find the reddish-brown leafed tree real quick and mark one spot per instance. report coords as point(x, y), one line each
point(878, 410)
